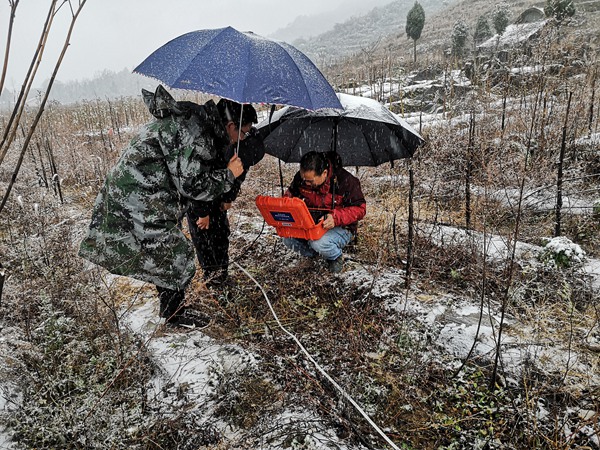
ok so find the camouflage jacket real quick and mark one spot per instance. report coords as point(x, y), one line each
point(134, 229)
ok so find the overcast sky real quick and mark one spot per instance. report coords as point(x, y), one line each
point(118, 34)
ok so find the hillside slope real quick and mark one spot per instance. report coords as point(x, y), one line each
point(363, 32)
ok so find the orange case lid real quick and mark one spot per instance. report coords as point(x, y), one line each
point(290, 217)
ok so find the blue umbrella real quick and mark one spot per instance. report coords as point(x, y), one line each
point(243, 67)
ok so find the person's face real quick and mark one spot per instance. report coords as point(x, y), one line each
point(311, 179)
point(234, 132)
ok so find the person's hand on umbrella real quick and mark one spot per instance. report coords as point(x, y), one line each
point(328, 222)
point(203, 222)
point(236, 166)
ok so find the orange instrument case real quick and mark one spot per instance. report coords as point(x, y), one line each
point(290, 217)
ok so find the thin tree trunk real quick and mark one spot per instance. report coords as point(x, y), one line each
point(44, 176)
point(15, 117)
point(506, 295)
point(505, 95)
point(411, 225)
point(591, 114)
point(13, 9)
point(469, 171)
point(54, 172)
point(1, 282)
point(559, 178)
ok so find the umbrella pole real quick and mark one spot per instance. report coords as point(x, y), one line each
point(335, 135)
point(237, 149)
point(280, 176)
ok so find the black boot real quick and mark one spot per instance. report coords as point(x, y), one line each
point(215, 279)
point(176, 315)
point(171, 302)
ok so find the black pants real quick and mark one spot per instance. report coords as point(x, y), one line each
point(212, 245)
point(171, 302)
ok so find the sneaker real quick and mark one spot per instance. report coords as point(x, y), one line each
point(336, 265)
point(189, 319)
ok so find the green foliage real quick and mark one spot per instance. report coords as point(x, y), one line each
point(467, 407)
point(460, 32)
point(482, 30)
point(560, 252)
point(415, 21)
point(596, 208)
point(559, 9)
point(500, 17)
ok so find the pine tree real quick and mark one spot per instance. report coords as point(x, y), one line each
point(500, 18)
point(460, 32)
point(414, 25)
point(482, 30)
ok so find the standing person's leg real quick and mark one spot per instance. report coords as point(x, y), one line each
point(212, 245)
point(202, 244)
point(219, 240)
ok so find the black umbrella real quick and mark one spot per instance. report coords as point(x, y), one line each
point(364, 133)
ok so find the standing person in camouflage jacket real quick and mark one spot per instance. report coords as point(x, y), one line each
point(135, 226)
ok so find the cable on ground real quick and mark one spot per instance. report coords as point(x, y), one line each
point(316, 364)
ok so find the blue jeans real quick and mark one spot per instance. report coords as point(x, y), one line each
point(329, 246)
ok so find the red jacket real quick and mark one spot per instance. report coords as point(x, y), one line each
point(350, 205)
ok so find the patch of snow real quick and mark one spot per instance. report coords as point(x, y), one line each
point(566, 247)
point(497, 248)
point(184, 358)
point(514, 34)
point(455, 325)
point(191, 365)
point(593, 139)
point(592, 269)
point(542, 199)
point(527, 70)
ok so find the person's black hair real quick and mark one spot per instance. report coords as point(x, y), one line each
point(230, 112)
point(318, 161)
point(314, 161)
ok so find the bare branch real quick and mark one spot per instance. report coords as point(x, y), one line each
point(42, 105)
point(11, 127)
point(11, 20)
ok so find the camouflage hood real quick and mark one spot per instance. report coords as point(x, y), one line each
point(134, 227)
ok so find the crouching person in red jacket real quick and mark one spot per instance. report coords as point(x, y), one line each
point(323, 184)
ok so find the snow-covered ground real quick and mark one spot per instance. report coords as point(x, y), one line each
point(192, 363)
